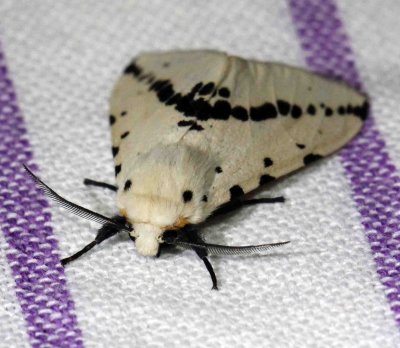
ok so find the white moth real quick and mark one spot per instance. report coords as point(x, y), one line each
point(194, 131)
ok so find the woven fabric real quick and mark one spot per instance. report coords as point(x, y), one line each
point(335, 285)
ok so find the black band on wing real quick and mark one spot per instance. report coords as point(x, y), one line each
point(74, 208)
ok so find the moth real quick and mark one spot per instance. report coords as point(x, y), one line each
point(194, 131)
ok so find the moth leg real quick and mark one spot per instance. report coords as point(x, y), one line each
point(279, 199)
point(225, 209)
point(90, 182)
point(210, 270)
point(194, 237)
point(104, 232)
point(164, 247)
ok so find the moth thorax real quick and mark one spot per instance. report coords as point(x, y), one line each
point(168, 183)
point(147, 238)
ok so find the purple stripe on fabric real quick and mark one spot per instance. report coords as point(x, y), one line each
point(374, 181)
point(32, 249)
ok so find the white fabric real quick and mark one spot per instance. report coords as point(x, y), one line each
point(321, 291)
point(374, 37)
point(12, 326)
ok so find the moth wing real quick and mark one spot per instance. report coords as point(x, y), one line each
point(292, 118)
point(259, 121)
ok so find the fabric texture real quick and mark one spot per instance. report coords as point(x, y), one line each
point(335, 285)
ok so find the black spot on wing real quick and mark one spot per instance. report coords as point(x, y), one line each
point(123, 113)
point(364, 111)
point(187, 196)
point(341, 110)
point(207, 88)
point(196, 88)
point(236, 192)
point(311, 158)
point(265, 179)
point(311, 110)
point(268, 162)
point(185, 105)
point(174, 100)
point(240, 113)
point(328, 112)
point(185, 123)
point(112, 119)
point(221, 110)
point(283, 107)
point(118, 169)
point(205, 198)
point(158, 85)
point(133, 69)
point(349, 109)
point(218, 169)
point(196, 127)
point(128, 184)
point(263, 112)
point(124, 135)
point(296, 111)
point(357, 111)
point(300, 146)
point(147, 77)
point(165, 93)
point(224, 92)
point(361, 111)
point(115, 150)
point(192, 124)
point(203, 109)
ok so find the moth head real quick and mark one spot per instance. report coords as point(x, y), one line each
point(147, 238)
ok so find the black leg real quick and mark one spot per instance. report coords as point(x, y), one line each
point(163, 247)
point(210, 270)
point(77, 255)
point(194, 237)
point(104, 232)
point(279, 199)
point(90, 182)
point(229, 207)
